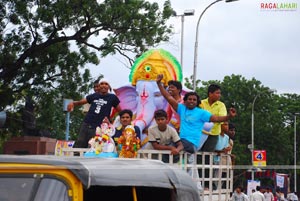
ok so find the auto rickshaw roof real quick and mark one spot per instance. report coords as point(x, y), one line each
point(117, 172)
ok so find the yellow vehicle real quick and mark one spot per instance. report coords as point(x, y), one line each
point(50, 178)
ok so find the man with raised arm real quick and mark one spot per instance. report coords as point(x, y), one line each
point(192, 118)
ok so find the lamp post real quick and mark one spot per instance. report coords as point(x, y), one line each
point(295, 151)
point(252, 130)
point(252, 135)
point(185, 13)
point(196, 41)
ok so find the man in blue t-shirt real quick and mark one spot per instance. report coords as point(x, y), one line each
point(101, 104)
point(192, 118)
point(125, 120)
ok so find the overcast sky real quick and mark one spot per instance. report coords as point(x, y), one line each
point(234, 38)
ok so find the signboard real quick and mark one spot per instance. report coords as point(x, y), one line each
point(252, 185)
point(259, 158)
point(280, 181)
point(60, 144)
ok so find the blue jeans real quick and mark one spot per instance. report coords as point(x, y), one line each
point(165, 157)
point(188, 146)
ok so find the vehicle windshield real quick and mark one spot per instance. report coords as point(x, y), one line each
point(37, 189)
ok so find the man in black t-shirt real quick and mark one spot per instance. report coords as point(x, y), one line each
point(101, 104)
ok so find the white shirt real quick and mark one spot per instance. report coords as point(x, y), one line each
point(258, 196)
point(292, 196)
point(239, 197)
point(269, 196)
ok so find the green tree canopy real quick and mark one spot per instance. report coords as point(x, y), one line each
point(45, 46)
point(36, 39)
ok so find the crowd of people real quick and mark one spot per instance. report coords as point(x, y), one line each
point(262, 194)
point(187, 119)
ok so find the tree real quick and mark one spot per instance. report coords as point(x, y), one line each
point(36, 36)
point(45, 46)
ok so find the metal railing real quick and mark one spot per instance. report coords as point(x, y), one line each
point(216, 179)
point(74, 151)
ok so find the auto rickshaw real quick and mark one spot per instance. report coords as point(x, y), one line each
point(51, 178)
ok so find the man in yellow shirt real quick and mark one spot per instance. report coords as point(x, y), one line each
point(218, 108)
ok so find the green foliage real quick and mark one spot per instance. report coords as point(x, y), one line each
point(46, 45)
point(36, 37)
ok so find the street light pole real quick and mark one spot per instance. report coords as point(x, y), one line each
point(181, 45)
point(196, 41)
point(185, 13)
point(295, 152)
point(196, 44)
point(252, 130)
point(252, 135)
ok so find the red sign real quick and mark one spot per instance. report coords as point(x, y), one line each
point(259, 158)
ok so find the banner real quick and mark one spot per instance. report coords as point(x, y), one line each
point(280, 181)
point(259, 158)
point(252, 185)
point(62, 144)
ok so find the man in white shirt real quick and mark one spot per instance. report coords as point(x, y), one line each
point(239, 195)
point(292, 196)
point(257, 195)
point(269, 195)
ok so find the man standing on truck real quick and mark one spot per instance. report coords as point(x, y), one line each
point(213, 104)
point(101, 104)
point(192, 118)
point(174, 89)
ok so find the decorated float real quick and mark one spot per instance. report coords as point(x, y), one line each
point(143, 97)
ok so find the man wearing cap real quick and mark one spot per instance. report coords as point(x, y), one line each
point(101, 104)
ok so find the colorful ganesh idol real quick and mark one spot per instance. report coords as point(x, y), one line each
point(128, 143)
point(102, 145)
point(143, 97)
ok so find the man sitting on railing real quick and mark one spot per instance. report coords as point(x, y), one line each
point(222, 147)
point(164, 137)
point(231, 134)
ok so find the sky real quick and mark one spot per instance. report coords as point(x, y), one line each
point(238, 38)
